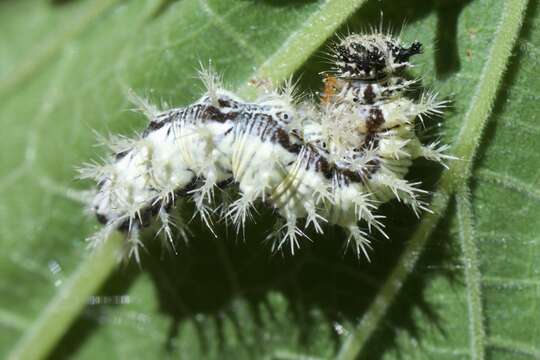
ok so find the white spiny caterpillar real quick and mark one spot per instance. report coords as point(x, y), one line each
point(330, 162)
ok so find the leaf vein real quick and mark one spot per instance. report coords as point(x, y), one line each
point(506, 281)
point(509, 182)
point(514, 346)
point(219, 21)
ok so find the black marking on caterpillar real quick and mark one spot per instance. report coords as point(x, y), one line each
point(372, 57)
point(332, 162)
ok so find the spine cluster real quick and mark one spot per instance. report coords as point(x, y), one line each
point(323, 162)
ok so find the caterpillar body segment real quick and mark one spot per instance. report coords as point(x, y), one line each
point(371, 57)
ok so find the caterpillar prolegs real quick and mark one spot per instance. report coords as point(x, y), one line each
point(332, 161)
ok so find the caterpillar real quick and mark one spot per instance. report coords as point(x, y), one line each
point(316, 163)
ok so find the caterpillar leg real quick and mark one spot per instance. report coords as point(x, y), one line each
point(313, 216)
point(433, 151)
point(241, 210)
point(290, 233)
point(166, 227)
point(357, 239)
point(364, 209)
point(134, 242)
point(204, 210)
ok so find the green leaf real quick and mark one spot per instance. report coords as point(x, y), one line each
point(65, 68)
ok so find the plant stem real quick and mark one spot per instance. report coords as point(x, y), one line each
point(465, 148)
point(68, 303)
point(471, 268)
point(295, 51)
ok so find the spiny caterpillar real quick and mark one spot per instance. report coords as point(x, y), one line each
point(315, 163)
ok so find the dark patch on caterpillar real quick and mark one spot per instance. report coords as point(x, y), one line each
point(102, 219)
point(361, 61)
point(372, 167)
point(202, 112)
point(224, 103)
point(225, 183)
point(266, 128)
point(100, 184)
point(317, 159)
point(324, 167)
point(370, 141)
point(120, 155)
point(199, 111)
point(164, 118)
point(281, 137)
point(375, 119)
point(387, 93)
point(124, 226)
point(402, 54)
point(351, 175)
point(347, 176)
point(150, 212)
point(213, 113)
point(329, 170)
point(262, 125)
point(155, 125)
point(369, 94)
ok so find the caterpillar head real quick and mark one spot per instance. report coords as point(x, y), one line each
point(371, 57)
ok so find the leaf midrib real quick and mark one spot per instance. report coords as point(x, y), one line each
point(477, 331)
